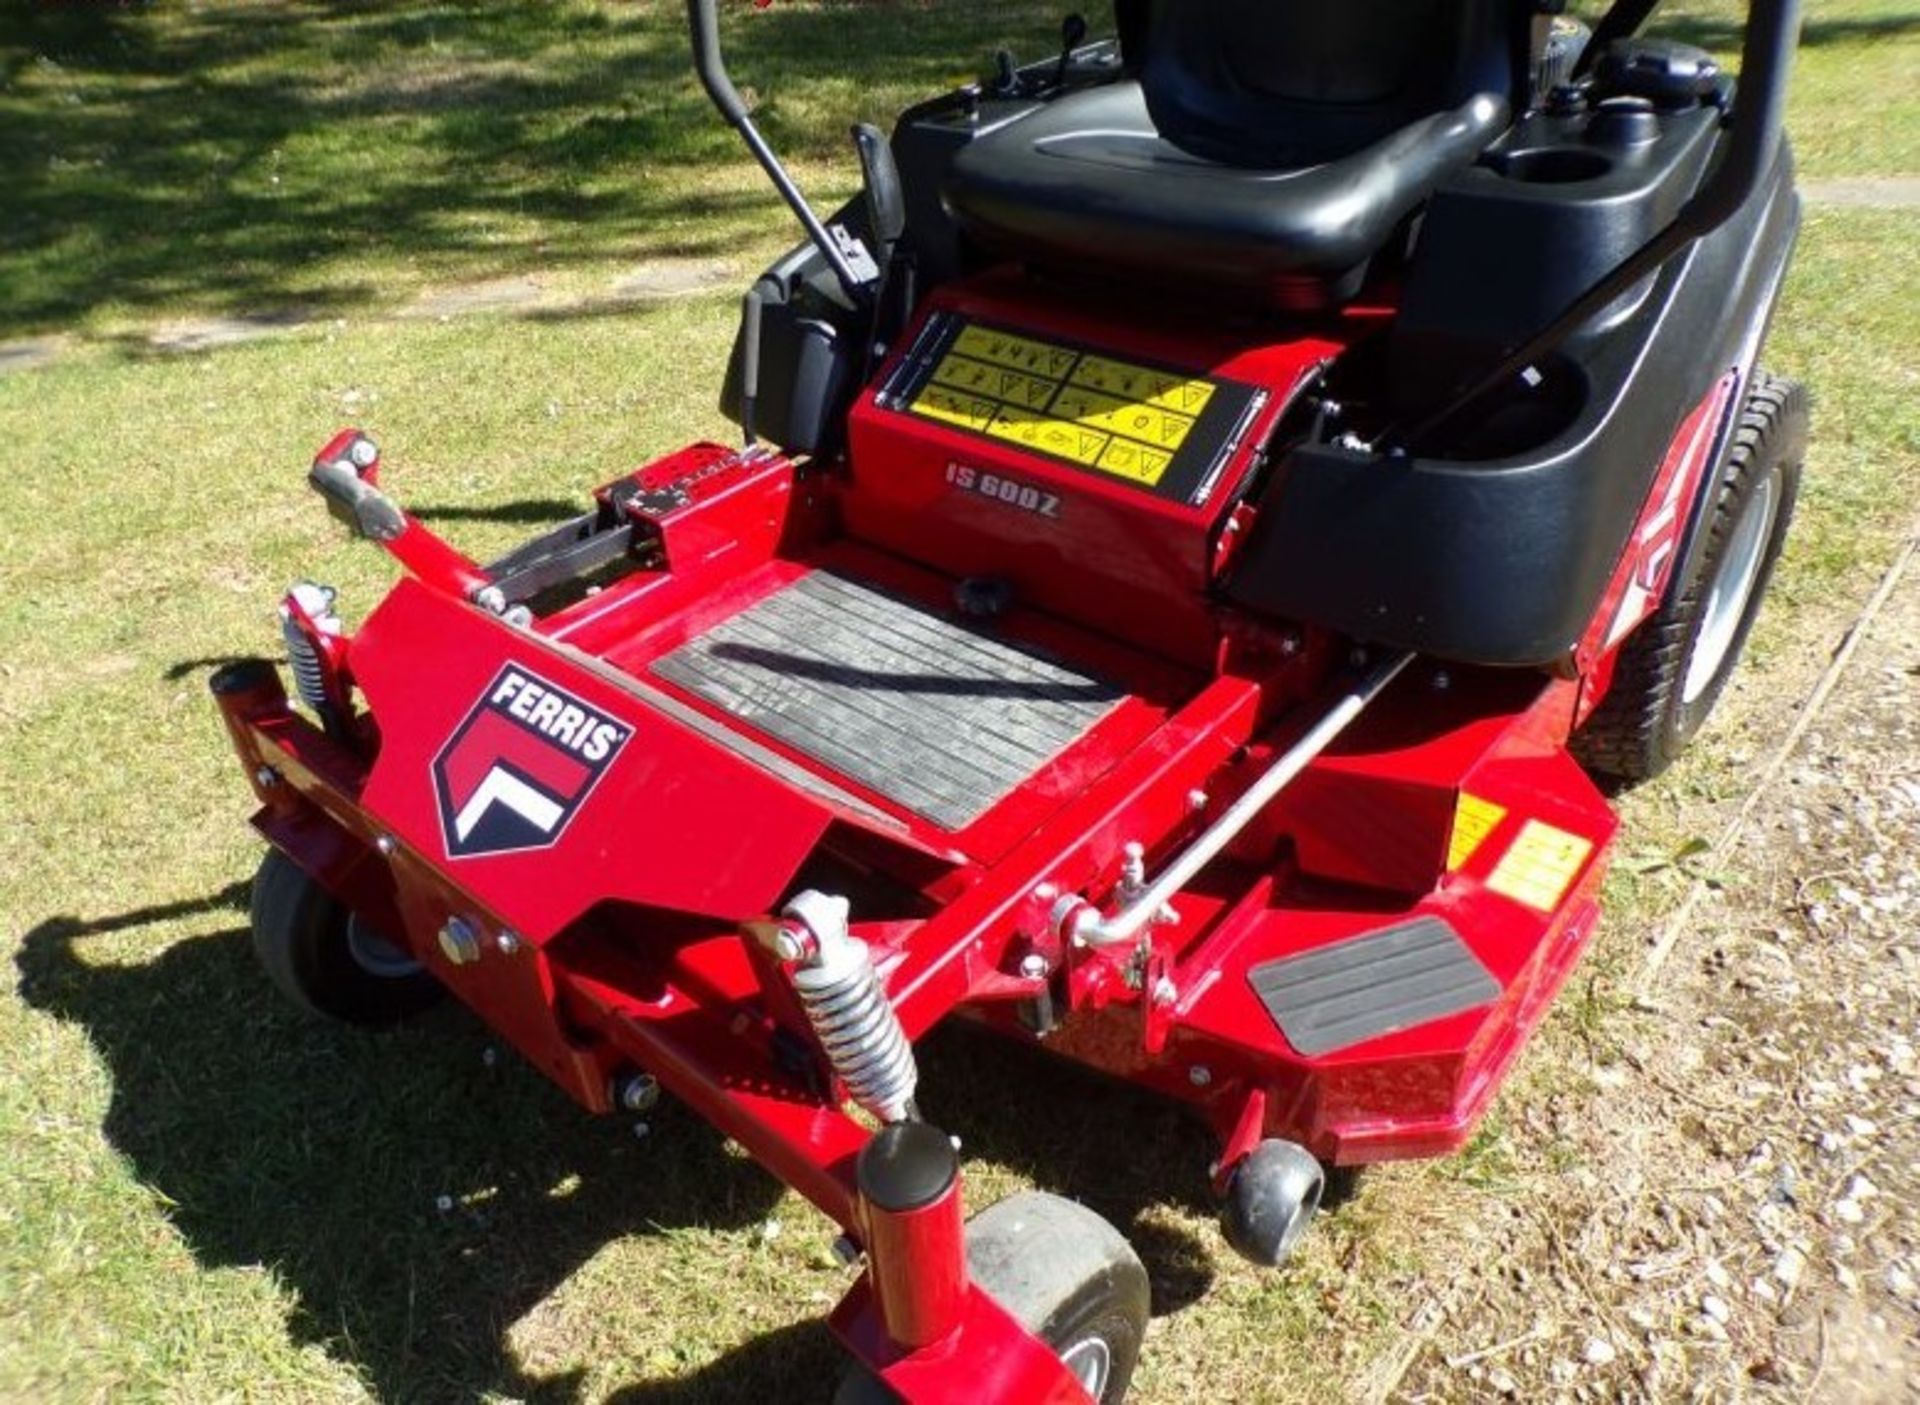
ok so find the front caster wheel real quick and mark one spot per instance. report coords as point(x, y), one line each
point(1068, 1276)
point(324, 958)
point(1271, 1202)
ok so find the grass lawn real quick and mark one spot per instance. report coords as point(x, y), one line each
point(203, 1196)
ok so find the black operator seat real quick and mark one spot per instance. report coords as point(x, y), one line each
point(1270, 146)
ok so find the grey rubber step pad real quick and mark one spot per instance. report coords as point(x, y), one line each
point(1397, 978)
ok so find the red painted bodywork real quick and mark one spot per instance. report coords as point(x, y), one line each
point(620, 946)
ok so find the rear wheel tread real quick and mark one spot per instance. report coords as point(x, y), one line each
point(1642, 724)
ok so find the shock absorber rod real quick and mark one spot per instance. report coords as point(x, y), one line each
point(1078, 921)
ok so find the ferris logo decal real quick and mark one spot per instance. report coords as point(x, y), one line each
point(520, 766)
point(1009, 491)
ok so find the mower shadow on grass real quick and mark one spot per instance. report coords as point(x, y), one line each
point(325, 1154)
point(534, 512)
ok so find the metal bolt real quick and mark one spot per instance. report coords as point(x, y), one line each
point(1196, 801)
point(459, 943)
point(1200, 1075)
point(1165, 992)
point(266, 778)
point(491, 598)
point(786, 941)
point(1289, 644)
point(386, 845)
point(1442, 680)
point(846, 1251)
point(1046, 892)
point(637, 1092)
point(363, 452)
point(508, 943)
point(1033, 966)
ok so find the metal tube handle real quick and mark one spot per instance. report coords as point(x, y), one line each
point(703, 21)
point(1083, 924)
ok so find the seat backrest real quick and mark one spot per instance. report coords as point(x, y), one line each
point(1275, 84)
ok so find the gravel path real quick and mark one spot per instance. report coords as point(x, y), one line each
point(1870, 192)
point(1727, 1205)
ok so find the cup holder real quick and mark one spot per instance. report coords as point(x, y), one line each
point(1554, 165)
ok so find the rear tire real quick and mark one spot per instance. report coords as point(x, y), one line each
point(1068, 1276)
point(324, 958)
point(1673, 669)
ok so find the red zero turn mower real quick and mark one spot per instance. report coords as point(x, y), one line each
point(1204, 513)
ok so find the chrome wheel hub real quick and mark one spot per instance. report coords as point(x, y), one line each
point(1091, 1362)
point(1731, 592)
point(377, 956)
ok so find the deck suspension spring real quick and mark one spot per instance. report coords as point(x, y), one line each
point(315, 602)
point(849, 1010)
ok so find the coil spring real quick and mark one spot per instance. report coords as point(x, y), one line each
point(858, 1029)
point(303, 656)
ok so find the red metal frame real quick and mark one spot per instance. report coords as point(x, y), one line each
point(620, 947)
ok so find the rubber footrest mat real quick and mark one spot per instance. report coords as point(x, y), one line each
point(1345, 994)
point(940, 718)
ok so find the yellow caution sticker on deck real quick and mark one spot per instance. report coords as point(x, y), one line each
point(1111, 416)
point(1540, 866)
point(1473, 820)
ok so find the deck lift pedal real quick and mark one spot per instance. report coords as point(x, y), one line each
point(1203, 514)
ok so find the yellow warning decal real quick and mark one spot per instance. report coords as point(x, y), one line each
point(1473, 820)
point(1142, 386)
point(967, 411)
point(1016, 353)
point(1050, 436)
point(984, 378)
point(1112, 416)
point(1135, 461)
point(1541, 866)
point(1146, 423)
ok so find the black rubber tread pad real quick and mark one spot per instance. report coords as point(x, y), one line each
point(1345, 994)
point(942, 719)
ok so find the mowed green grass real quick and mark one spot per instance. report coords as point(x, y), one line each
point(203, 1196)
point(305, 155)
